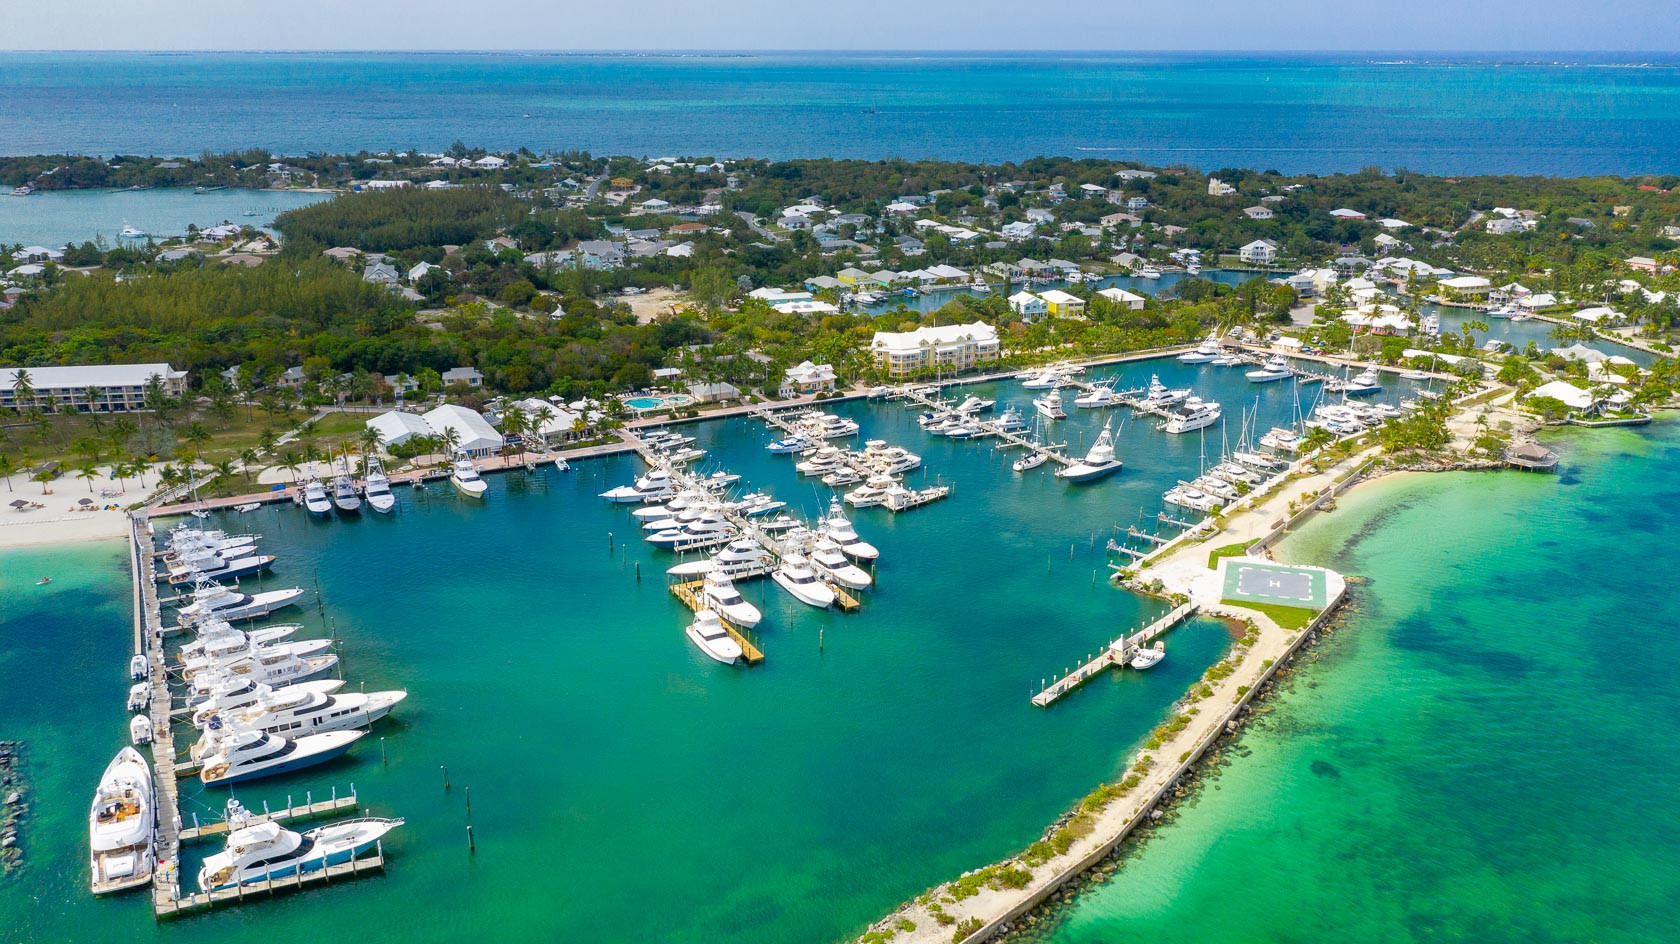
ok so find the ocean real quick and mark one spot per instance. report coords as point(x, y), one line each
point(623, 786)
point(1486, 749)
point(1558, 114)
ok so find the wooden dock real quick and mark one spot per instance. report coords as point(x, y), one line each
point(149, 634)
point(989, 428)
point(167, 902)
point(688, 591)
point(1114, 654)
point(309, 808)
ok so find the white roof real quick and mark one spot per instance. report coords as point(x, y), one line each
point(1261, 242)
point(560, 419)
point(80, 378)
point(1024, 297)
point(1572, 396)
point(805, 308)
point(807, 372)
point(1120, 295)
point(1597, 314)
point(475, 431)
point(396, 428)
point(1466, 281)
point(977, 331)
point(1058, 297)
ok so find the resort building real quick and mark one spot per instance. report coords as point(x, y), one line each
point(807, 378)
point(946, 347)
point(1465, 286)
point(110, 388)
point(476, 436)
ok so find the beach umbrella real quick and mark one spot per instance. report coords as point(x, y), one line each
point(20, 503)
point(84, 501)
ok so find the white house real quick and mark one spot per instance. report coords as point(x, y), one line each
point(1598, 314)
point(476, 436)
point(1467, 285)
point(1029, 306)
point(465, 375)
point(103, 388)
point(490, 162)
point(1259, 252)
point(1219, 188)
point(807, 378)
point(1258, 212)
point(1346, 214)
point(395, 428)
point(1123, 298)
point(950, 347)
point(1019, 230)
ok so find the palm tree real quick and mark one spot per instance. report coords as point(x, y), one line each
point(88, 474)
point(93, 395)
point(6, 469)
point(122, 469)
point(44, 477)
point(23, 389)
point(196, 434)
point(539, 421)
point(247, 459)
point(267, 440)
point(451, 438)
point(312, 453)
point(515, 422)
point(122, 430)
point(223, 469)
point(290, 462)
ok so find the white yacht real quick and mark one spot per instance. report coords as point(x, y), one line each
point(1186, 496)
point(842, 478)
point(1047, 379)
point(1097, 397)
point(1098, 462)
point(791, 444)
point(239, 694)
point(140, 730)
point(656, 484)
point(740, 556)
point(708, 633)
point(344, 495)
point(218, 568)
point(269, 851)
point(1206, 352)
point(1049, 406)
point(248, 755)
point(1144, 658)
point(827, 558)
point(796, 577)
point(839, 530)
point(1009, 421)
point(1149, 272)
point(217, 635)
point(186, 544)
point(718, 593)
point(709, 527)
point(1281, 439)
point(1194, 414)
point(464, 476)
point(275, 668)
point(214, 600)
point(315, 497)
point(1160, 397)
point(1275, 368)
point(974, 404)
point(131, 232)
point(228, 648)
point(376, 487)
point(871, 492)
point(293, 711)
point(1364, 383)
point(120, 825)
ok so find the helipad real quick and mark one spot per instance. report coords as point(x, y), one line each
point(1279, 584)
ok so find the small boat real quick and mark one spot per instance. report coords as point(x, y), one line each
point(120, 825)
point(1149, 272)
point(1206, 352)
point(797, 578)
point(268, 851)
point(708, 633)
point(1364, 383)
point(1031, 460)
point(22, 191)
point(1415, 375)
point(137, 667)
point(1097, 397)
point(464, 476)
point(1145, 658)
point(315, 498)
point(43, 581)
point(132, 232)
point(247, 507)
point(199, 513)
point(139, 696)
point(1045, 380)
point(1009, 421)
point(561, 464)
point(789, 445)
point(140, 730)
point(1275, 368)
point(249, 755)
point(973, 404)
point(1160, 397)
point(1098, 462)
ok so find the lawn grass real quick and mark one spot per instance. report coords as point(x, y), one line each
point(1288, 617)
point(1229, 550)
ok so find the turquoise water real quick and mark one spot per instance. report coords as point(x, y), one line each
point(52, 218)
point(1519, 333)
point(1486, 752)
point(622, 785)
point(1574, 114)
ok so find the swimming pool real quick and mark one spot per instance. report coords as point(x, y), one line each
point(647, 404)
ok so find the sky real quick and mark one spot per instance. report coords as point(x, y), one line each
point(1117, 25)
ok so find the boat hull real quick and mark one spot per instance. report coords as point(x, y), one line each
point(286, 766)
point(469, 489)
point(1087, 473)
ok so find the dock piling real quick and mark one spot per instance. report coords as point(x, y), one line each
point(472, 848)
point(445, 776)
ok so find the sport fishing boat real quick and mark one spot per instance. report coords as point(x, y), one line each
point(708, 633)
point(1009, 421)
point(974, 404)
point(839, 530)
point(829, 560)
point(1049, 406)
point(212, 600)
point(1194, 414)
point(1159, 397)
point(1206, 352)
point(718, 593)
point(376, 487)
point(269, 851)
point(797, 578)
point(1275, 368)
point(740, 556)
point(344, 496)
point(1098, 462)
point(249, 755)
point(464, 476)
point(1097, 397)
point(295, 710)
point(120, 825)
point(315, 499)
point(872, 492)
point(1144, 658)
point(1048, 379)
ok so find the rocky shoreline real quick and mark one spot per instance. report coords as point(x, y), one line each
point(12, 811)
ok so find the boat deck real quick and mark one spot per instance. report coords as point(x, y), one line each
point(166, 905)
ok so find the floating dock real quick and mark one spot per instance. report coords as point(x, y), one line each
point(689, 592)
point(1115, 654)
point(166, 905)
point(988, 429)
point(309, 808)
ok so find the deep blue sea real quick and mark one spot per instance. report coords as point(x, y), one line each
point(1570, 114)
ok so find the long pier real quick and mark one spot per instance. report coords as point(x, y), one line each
point(989, 428)
point(167, 907)
point(1115, 654)
point(148, 621)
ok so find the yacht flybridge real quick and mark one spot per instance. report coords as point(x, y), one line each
point(1098, 462)
point(120, 825)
